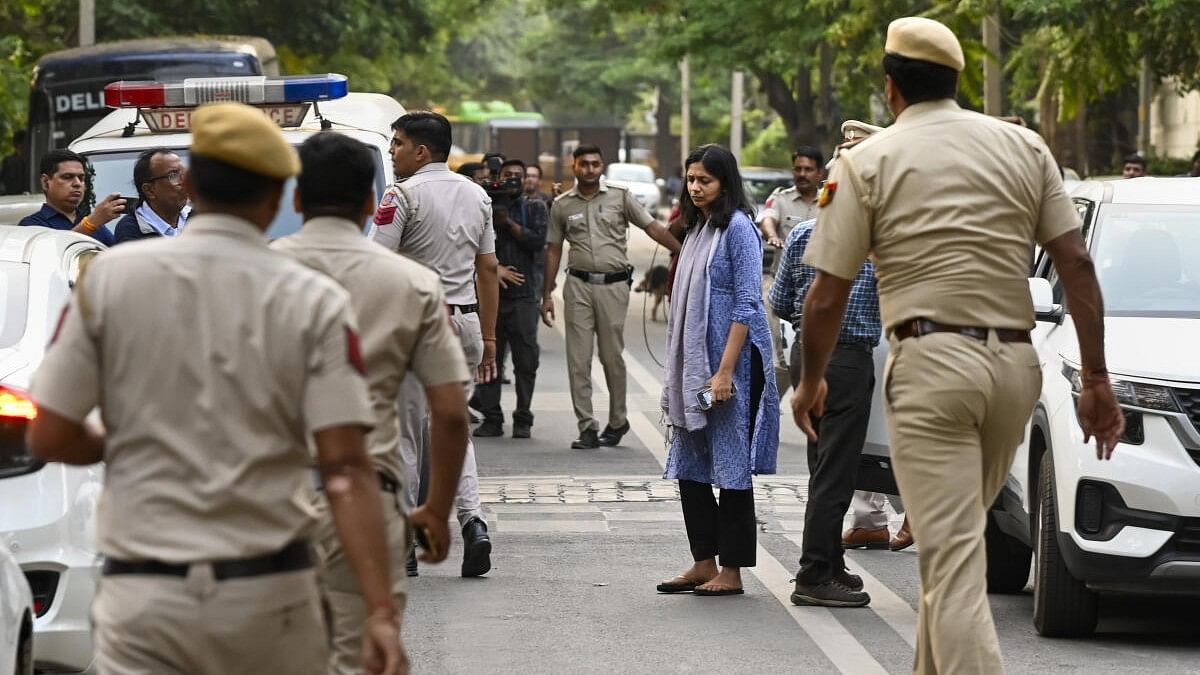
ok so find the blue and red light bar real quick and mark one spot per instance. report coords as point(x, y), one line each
point(253, 90)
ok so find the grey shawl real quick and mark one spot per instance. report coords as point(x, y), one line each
point(688, 369)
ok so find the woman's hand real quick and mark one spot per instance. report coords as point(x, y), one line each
point(722, 386)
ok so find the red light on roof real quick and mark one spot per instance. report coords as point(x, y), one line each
point(135, 95)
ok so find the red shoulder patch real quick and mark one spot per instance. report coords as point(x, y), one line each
point(384, 214)
point(827, 194)
point(354, 352)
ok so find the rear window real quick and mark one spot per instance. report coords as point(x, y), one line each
point(14, 302)
point(114, 173)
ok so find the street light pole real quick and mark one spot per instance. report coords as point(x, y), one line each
point(87, 23)
point(735, 115)
point(685, 124)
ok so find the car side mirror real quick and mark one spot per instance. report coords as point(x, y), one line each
point(1044, 308)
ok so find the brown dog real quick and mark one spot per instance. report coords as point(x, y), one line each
point(655, 283)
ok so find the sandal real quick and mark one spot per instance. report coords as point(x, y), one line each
point(711, 592)
point(679, 584)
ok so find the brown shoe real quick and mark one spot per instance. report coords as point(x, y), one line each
point(865, 537)
point(903, 538)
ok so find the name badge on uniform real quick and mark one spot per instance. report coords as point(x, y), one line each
point(574, 216)
point(827, 193)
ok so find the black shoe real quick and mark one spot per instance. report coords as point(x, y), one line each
point(474, 419)
point(477, 549)
point(505, 380)
point(611, 436)
point(410, 567)
point(489, 428)
point(522, 430)
point(851, 581)
point(587, 440)
point(832, 593)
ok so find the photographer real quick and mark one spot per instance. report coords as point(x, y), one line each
point(520, 225)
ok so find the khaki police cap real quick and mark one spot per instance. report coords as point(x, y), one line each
point(852, 129)
point(240, 135)
point(924, 39)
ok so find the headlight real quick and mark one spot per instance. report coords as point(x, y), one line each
point(1130, 394)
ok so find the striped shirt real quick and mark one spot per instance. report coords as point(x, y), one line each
point(861, 323)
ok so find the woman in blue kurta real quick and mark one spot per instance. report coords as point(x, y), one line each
point(718, 339)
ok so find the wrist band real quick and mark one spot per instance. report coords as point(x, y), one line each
point(489, 339)
point(88, 225)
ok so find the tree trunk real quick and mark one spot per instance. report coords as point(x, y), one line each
point(795, 105)
point(831, 114)
point(666, 151)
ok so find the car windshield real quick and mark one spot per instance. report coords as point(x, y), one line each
point(114, 173)
point(758, 189)
point(1148, 260)
point(631, 173)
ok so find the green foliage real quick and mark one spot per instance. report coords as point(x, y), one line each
point(770, 147)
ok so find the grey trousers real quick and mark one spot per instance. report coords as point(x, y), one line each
point(414, 429)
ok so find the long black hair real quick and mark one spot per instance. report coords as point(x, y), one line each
point(722, 165)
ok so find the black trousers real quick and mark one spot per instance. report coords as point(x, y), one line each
point(727, 529)
point(516, 329)
point(833, 462)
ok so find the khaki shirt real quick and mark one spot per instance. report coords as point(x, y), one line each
point(442, 220)
point(951, 233)
point(403, 321)
point(789, 209)
point(596, 227)
point(212, 359)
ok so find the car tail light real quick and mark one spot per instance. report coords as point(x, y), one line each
point(16, 404)
point(44, 584)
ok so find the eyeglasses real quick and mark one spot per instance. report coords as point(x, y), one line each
point(174, 177)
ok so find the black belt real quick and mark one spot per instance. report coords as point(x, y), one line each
point(919, 327)
point(465, 309)
point(295, 556)
point(386, 482)
point(600, 277)
point(856, 346)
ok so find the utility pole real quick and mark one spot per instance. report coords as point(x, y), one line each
point(685, 125)
point(735, 114)
point(1145, 93)
point(87, 23)
point(993, 101)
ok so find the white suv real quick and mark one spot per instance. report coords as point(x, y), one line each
point(1130, 524)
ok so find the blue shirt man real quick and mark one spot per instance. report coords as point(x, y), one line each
point(63, 180)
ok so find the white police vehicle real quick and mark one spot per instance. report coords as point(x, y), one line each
point(16, 619)
point(47, 511)
point(1130, 524)
point(157, 114)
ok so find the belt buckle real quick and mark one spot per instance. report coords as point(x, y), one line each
point(597, 277)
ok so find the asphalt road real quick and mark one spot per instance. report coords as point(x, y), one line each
point(582, 537)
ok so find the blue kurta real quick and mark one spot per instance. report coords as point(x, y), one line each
point(732, 447)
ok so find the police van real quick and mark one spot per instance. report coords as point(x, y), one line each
point(54, 525)
point(157, 114)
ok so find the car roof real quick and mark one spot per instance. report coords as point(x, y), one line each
point(1182, 191)
point(759, 172)
point(357, 111)
point(16, 241)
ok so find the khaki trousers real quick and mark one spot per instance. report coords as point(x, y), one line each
point(163, 625)
point(347, 611)
point(957, 409)
point(594, 314)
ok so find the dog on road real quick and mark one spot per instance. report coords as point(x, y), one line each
point(655, 283)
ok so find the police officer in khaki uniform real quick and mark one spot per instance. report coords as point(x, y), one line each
point(594, 219)
point(404, 326)
point(209, 387)
point(785, 209)
point(444, 221)
point(951, 241)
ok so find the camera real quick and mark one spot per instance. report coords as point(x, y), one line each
point(502, 193)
